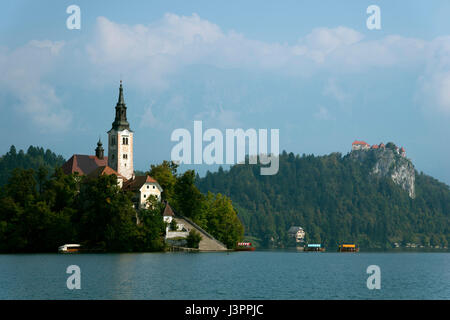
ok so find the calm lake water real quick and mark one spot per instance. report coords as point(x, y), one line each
point(236, 275)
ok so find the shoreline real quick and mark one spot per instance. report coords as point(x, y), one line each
point(274, 250)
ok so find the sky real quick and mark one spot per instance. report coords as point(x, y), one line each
point(311, 69)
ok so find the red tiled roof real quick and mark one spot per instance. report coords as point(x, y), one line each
point(168, 211)
point(375, 146)
point(359, 142)
point(105, 170)
point(83, 164)
point(138, 182)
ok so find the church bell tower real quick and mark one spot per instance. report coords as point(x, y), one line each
point(120, 141)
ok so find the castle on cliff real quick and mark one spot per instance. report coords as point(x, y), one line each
point(362, 145)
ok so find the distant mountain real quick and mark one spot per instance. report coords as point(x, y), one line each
point(34, 158)
point(373, 197)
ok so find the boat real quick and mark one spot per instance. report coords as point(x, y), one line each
point(348, 248)
point(244, 246)
point(315, 247)
point(70, 248)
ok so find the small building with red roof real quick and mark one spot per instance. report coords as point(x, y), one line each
point(91, 166)
point(403, 152)
point(168, 214)
point(360, 145)
point(84, 164)
point(143, 187)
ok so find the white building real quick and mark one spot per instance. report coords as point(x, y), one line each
point(143, 187)
point(360, 145)
point(168, 217)
point(297, 233)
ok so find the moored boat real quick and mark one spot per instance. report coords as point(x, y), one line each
point(70, 248)
point(244, 246)
point(314, 247)
point(348, 248)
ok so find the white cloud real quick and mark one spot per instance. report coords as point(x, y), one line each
point(148, 119)
point(149, 55)
point(220, 118)
point(336, 92)
point(156, 115)
point(323, 41)
point(323, 114)
point(435, 91)
point(54, 46)
point(24, 70)
point(434, 84)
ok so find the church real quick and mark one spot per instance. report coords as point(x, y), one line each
point(119, 160)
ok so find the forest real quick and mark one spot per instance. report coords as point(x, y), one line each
point(335, 199)
point(34, 158)
point(41, 208)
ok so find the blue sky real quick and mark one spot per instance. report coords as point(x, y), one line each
point(309, 68)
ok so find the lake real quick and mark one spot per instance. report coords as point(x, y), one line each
point(234, 275)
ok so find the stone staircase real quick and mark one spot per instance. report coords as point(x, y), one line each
point(208, 242)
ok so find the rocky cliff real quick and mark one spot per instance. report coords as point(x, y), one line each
point(386, 162)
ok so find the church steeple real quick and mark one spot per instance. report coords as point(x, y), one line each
point(120, 140)
point(120, 122)
point(121, 101)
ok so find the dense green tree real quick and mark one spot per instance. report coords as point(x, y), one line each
point(13, 236)
point(46, 229)
point(35, 158)
point(27, 222)
point(188, 199)
point(166, 175)
point(391, 145)
point(222, 220)
point(193, 239)
point(107, 216)
point(61, 190)
point(42, 174)
point(21, 186)
point(151, 227)
point(173, 225)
